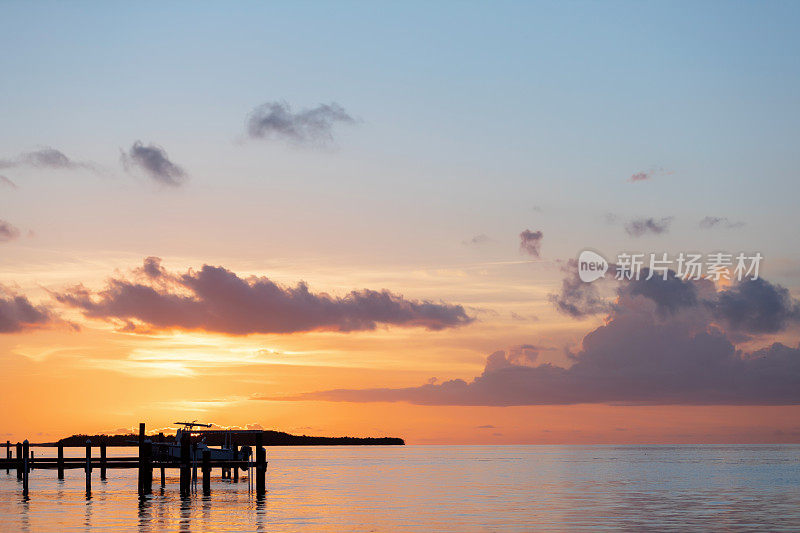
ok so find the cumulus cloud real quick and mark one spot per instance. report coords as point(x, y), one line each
point(46, 157)
point(755, 306)
point(215, 299)
point(8, 232)
point(530, 242)
point(749, 307)
point(641, 226)
point(155, 163)
point(639, 356)
point(275, 120)
point(17, 313)
point(7, 182)
point(724, 222)
point(577, 298)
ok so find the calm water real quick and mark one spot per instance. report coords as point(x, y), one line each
point(442, 488)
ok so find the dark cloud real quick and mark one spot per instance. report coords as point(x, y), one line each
point(755, 306)
point(639, 356)
point(315, 125)
point(154, 161)
point(749, 307)
point(8, 232)
point(577, 298)
point(713, 222)
point(17, 313)
point(215, 299)
point(44, 158)
point(670, 295)
point(641, 226)
point(530, 242)
point(7, 182)
point(477, 240)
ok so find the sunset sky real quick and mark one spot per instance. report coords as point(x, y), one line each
point(313, 217)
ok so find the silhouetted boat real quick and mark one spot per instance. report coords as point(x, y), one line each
point(228, 451)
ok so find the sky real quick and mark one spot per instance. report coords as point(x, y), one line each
point(362, 218)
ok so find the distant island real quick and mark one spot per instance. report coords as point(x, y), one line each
point(217, 438)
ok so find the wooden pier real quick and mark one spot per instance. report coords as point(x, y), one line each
point(24, 463)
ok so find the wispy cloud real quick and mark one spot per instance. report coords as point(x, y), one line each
point(530, 242)
point(8, 232)
point(724, 222)
point(7, 182)
point(155, 163)
point(275, 120)
point(642, 226)
point(477, 240)
point(646, 175)
point(45, 157)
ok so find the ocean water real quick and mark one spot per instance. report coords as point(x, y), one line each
point(440, 488)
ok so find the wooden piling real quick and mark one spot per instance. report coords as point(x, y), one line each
point(60, 461)
point(8, 455)
point(25, 467)
point(235, 458)
point(186, 473)
point(19, 461)
point(206, 472)
point(103, 461)
point(261, 467)
point(194, 462)
point(88, 467)
point(163, 477)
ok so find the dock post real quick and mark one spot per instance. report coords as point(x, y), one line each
point(8, 455)
point(194, 462)
point(261, 467)
point(235, 458)
point(206, 472)
point(103, 461)
point(186, 473)
point(141, 476)
point(88, 467)
point(25, 467)
point(60, 461)
point(19, 461)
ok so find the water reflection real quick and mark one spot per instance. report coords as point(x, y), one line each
point(443, 488)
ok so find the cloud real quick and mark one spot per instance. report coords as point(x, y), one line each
point(749, 307)
point(530, 242)
point(215, 299)
point(639, 356)
point(315, 125)
point(641, 226)
point(154, 161)
point(712, 222)
point(477, 240)
point(645, 175)
point(577, 298)
point(7, 182)
point(17, 313)
point(44, 158)
point(756, 306)
point(8, 232)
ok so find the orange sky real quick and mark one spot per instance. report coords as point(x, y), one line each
point(57, 381)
